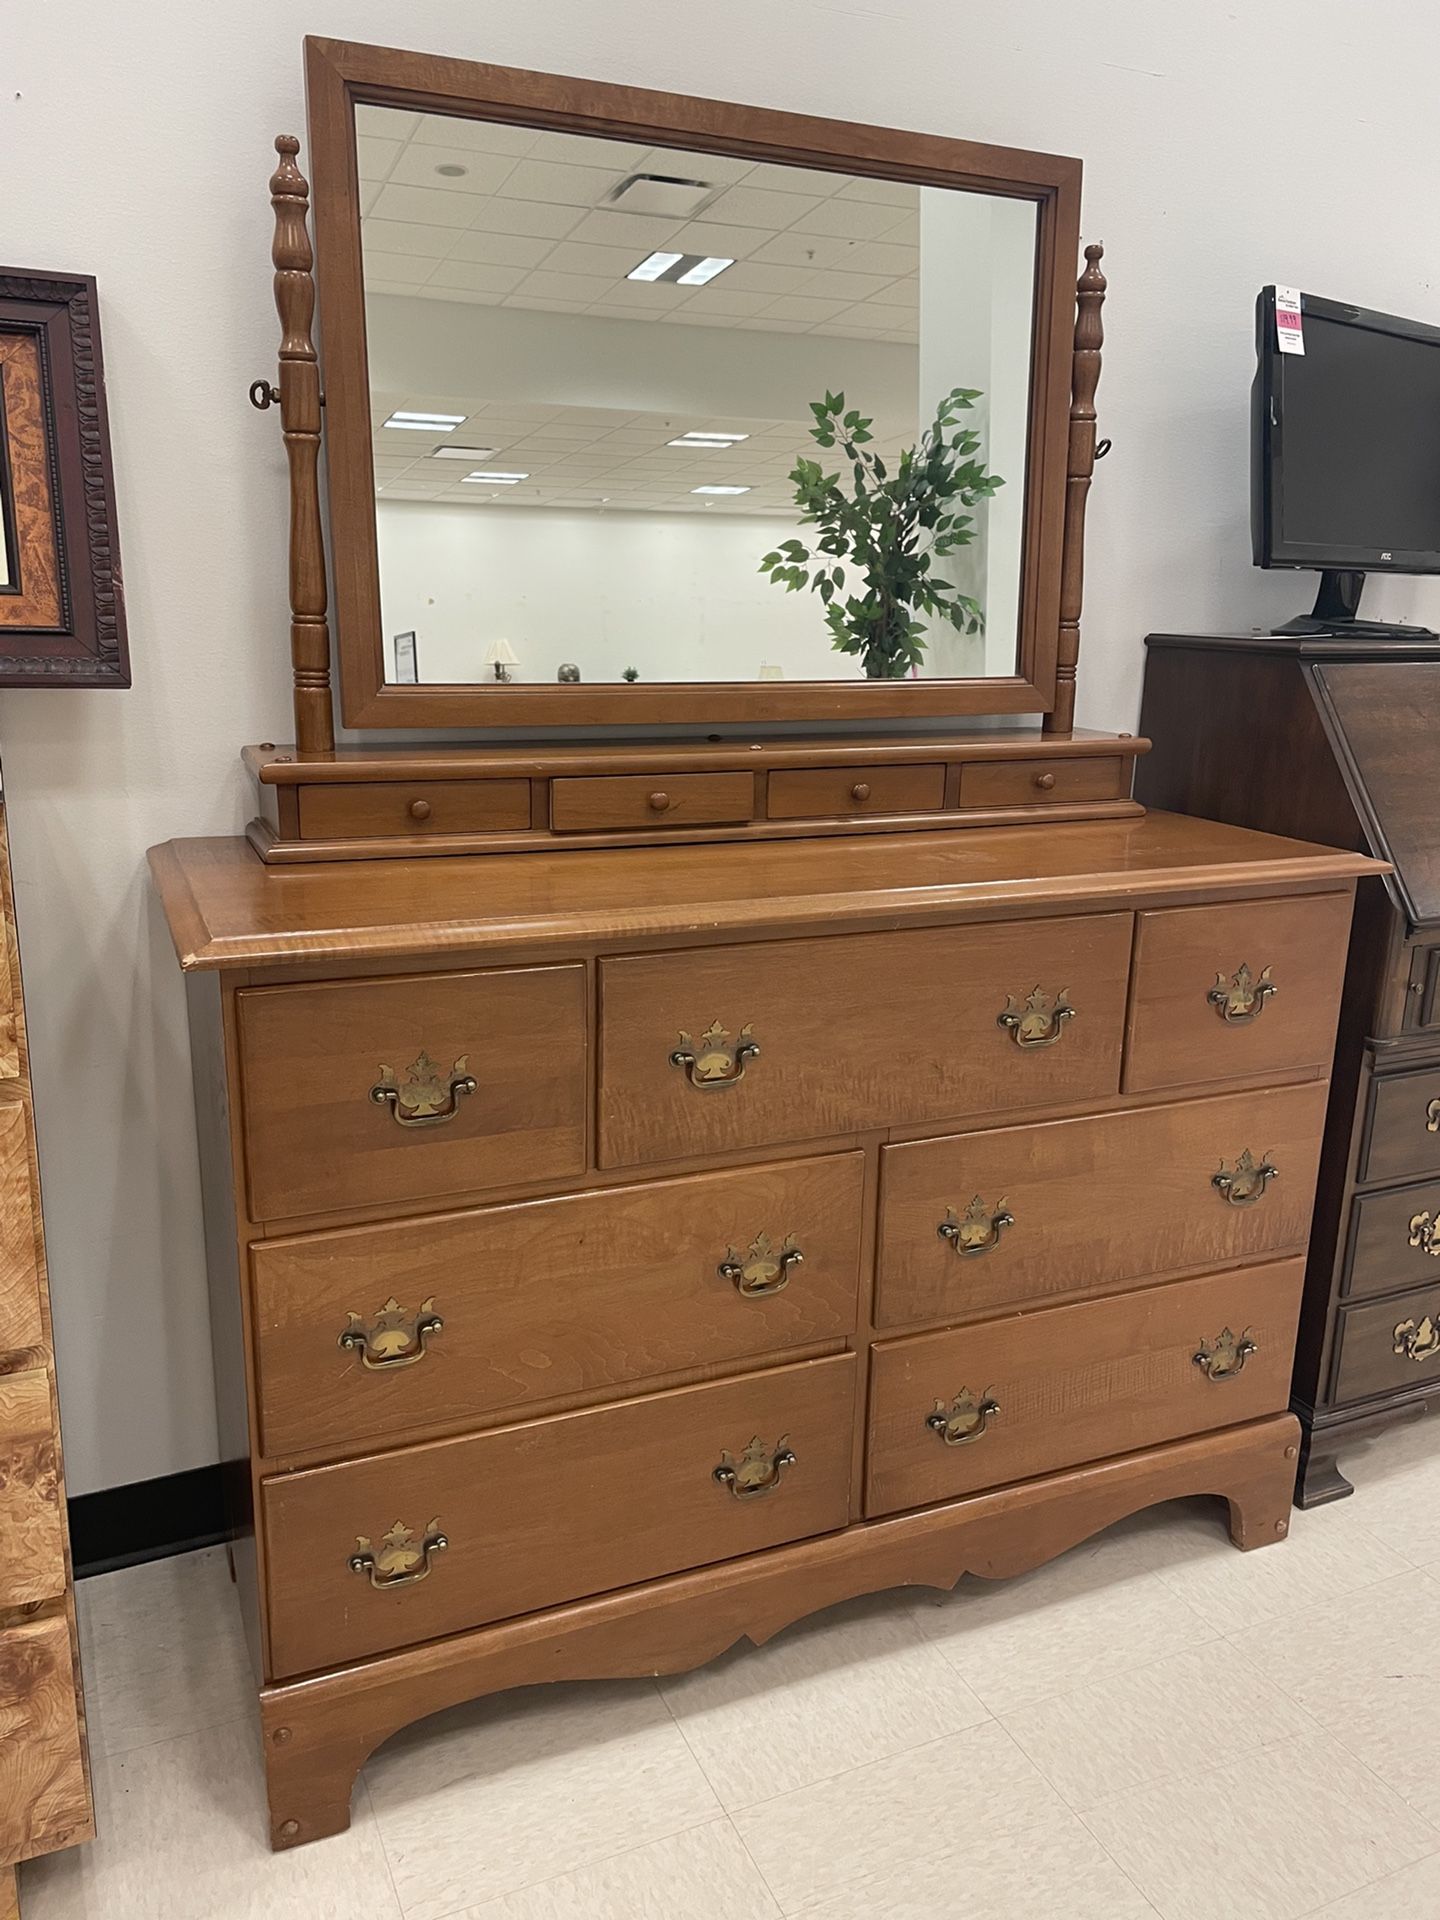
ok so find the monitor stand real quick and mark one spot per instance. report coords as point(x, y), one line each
point(1336, 600)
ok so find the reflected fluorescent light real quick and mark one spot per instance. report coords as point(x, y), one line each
point(718, 440)
point(719, 489)
point(463, 453)
point(498, 479)
point(704, 270)
point(426, 422)
point(653, 265)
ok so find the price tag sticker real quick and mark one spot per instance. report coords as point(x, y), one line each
point(1289, 329)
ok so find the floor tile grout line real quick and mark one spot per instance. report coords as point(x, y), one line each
point(362, 1786)
point(1319, 1913)
point(99, 1750)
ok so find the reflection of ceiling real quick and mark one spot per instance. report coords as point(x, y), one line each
point(525, 224)
point(596, 457)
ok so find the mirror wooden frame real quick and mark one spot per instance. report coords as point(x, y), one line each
point(342, 74)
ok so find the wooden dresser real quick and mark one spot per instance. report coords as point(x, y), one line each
point(1336, 741)
point(44, 1772)
point(621, 1252)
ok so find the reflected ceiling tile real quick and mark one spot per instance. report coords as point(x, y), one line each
point(536, 303)
point(369, 194)
point(575, 256)
point(843, 286)
point(898, 193)
point(853, 219)
point(906, 232)
point(799, 307)
point(534, 179)
point(802, 250)
point(719, 301)
point(718, 167)
point(484, 136)
point(782, 179)
point(377, 157)
point(764, 325)
point(452, 169)
point(748, 276)
point(397, 269)
point(468, 296)
point(536, 218)
point(875, 256)
point(876, 315)
point(585, 150)
point(643, 232)
point(476, 276)
point(748, 206)
point(403, 236)
point(427, 205)
point(385, 123)
point(499, 249)
point(901, 293)
point(549, 285)
point(708, 238)
point(660, 296)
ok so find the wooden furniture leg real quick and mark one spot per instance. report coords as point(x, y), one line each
point(9, 1894)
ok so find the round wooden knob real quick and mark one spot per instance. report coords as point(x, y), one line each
point(860, 790)
point(660, 802)
point(1044, 781)
point(419, 809)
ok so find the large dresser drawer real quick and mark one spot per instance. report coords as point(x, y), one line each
point(1389, 1346)
point(1239, 991)
point(432, 1084)
point(951, 1413)
point(32, 1543)
point(1402, 1128)
point(44, 1795)
point(974, 1223)
point(586, 1293)
point(535, 1515)
point(709, 1051)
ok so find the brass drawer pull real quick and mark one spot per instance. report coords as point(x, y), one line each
point(978, 1229)
point(717, 1061)
point(1425, 1234)
point(400, 1560)
point(1227, 1357)
point(423, 1098)
point(1417, 1342)
point(394, 1338)
point(1432, 1115)
point(1242, 997)
point(965, 1420)
point(1043, 1021)
point(757, 1471)
point(1248, 1181)
point(761, 1270)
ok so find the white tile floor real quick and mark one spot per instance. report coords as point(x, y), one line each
point(1154, 1725)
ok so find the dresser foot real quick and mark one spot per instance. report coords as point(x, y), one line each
point(1260, 1502)
point(9, 1894)
point(309, 1780)
point(1321, 1480)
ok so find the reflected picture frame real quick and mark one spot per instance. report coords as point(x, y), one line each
point(62, 603)
point(407, 664)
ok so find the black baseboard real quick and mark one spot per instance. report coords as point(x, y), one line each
point(148, 1520)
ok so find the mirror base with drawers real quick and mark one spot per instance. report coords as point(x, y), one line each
point(621, 1252)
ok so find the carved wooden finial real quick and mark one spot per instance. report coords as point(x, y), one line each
point(1084, 379)
point(300, 402)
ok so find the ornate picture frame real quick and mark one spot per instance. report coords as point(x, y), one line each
point(62, 604)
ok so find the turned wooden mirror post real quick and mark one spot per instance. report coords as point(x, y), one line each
point(1089, 339)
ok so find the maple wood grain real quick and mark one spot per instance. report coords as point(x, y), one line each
point(593, 802)
point(1014, 783)
point(800, 792)
point(388, 809)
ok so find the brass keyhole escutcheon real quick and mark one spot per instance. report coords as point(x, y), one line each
point(763, 1269)
point(1227, 1357)
point(978, 1229)
point(965, 1420)
point(1041, 1021)
point(1242, 997)
point(715, 1060)
point(1243, 1185)
point(757, 1472)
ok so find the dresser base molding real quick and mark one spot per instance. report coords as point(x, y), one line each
point(319, 1732)
point(1323, 1438)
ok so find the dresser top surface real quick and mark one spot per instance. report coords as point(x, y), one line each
point(227, 909)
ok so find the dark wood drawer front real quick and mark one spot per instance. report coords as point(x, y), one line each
point(391, 808)
point(1081, 1206)
point(1224, 993)
point(862, 1031)
point(1051, 781)
point(1403, 1135)
point(539, 1514)
point(584, 1294)
point(1390, 1346)
point(805, 792)
point(356, 1095)
point(1395, 1240)
point(951, 1413)
point(619, 801)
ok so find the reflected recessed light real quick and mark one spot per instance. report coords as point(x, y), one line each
point(653, 265)
point(499, 479)
point(704, 270)
point(719, 489)
point(708, 440)
point(453, 452)
point(426, 422)
point(451, 170)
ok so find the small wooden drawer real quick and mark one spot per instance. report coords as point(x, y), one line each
point(1390, 1346)
point(539, 1514)
point(977, 1223)
point(45, 1804)
point(1402, 1130)
point(430, 1084)
point(951, 1413)
point(1422, 1003)
point(390, 808)
point(584, 1294)
point(32, 1546)
point(1048, 782)
point(1224, 993)
point(21, 1328)
point(1395, 1240)
point(802, 793)
point(619, 801)
point(708, 1051)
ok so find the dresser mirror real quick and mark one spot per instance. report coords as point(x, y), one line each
point(647, 408)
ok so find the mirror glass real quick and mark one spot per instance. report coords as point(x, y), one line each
point(598, 371)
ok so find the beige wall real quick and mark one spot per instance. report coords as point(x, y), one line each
point(134, 144)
